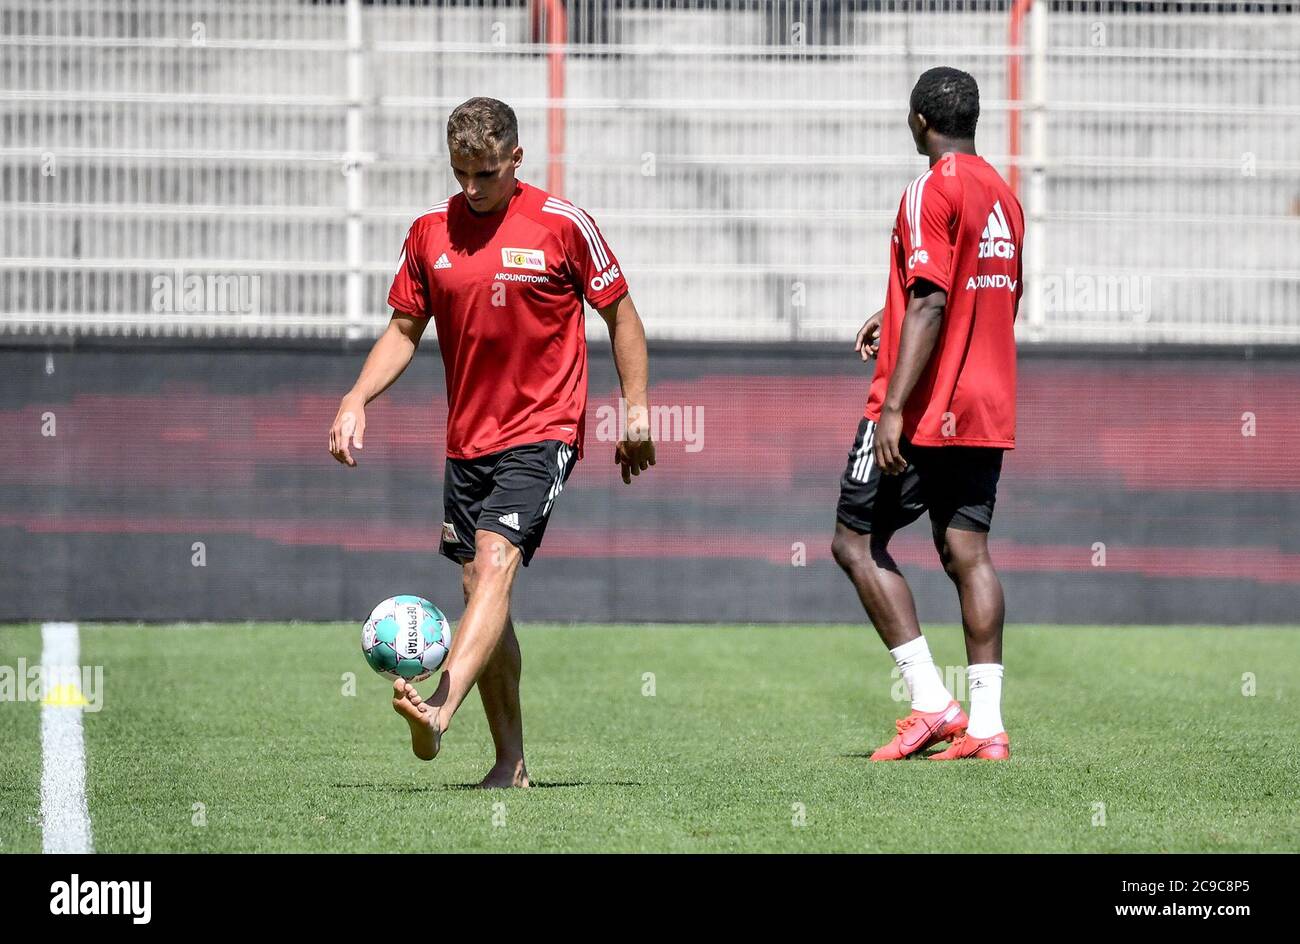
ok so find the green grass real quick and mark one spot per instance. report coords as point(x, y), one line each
point(745, 723)
point(20, 756)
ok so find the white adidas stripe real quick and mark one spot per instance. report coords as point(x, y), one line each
point(437, 208)
point(866, 455)
point(585, 224)
point(566, 458)
point(594, 231)
point(911, 196)
point(562, 456)
point(916, 192)
point(550, 494)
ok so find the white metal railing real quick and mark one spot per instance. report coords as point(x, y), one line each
point(745, 159)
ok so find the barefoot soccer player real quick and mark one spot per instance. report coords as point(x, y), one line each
point(940, 412)
point(502, 268)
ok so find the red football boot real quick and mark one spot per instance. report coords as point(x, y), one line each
point(921, 729)
point(997, 747)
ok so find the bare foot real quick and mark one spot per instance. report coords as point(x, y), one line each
point(426, 734)
point(506, 774)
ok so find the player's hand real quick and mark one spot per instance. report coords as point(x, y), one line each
point(634, 457)
point(636, 450)
point(349, 426)
point(889, 433)
point(868, 340)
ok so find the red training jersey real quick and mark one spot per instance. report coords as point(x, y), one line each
point(960, 227)
point(505, 291)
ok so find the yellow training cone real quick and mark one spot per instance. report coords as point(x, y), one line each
point(66, 695)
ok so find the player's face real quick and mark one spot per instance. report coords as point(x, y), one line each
point(487, 180)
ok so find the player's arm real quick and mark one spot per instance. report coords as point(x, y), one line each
point(636, 452)
point(920, 331)
point(385, 363)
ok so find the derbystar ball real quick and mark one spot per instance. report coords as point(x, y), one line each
point(406, 637)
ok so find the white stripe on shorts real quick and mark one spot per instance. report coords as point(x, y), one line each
point(562, 456)
point(866, 455)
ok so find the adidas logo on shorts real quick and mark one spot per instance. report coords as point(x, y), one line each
point(511, 520)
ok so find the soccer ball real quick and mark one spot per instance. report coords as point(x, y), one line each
point(406, 637)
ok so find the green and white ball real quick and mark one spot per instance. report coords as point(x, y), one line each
point(406, 637)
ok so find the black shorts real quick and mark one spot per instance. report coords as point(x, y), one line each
point(510, 493)
point(956, 484)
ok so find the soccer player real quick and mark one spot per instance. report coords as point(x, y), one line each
point(940, 413)
point(502, 268)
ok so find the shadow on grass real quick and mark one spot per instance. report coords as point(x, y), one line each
point(444, 787)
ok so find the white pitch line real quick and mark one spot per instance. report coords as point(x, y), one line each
point(65, 818)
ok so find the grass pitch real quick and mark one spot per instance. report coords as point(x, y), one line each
point(675, 738)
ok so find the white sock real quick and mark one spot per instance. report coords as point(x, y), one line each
point(985, 685)
point(922, 678)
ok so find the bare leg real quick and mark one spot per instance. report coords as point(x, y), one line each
point(498, 689)
point(477, 637)
point(965, 557)
point(881, 586)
